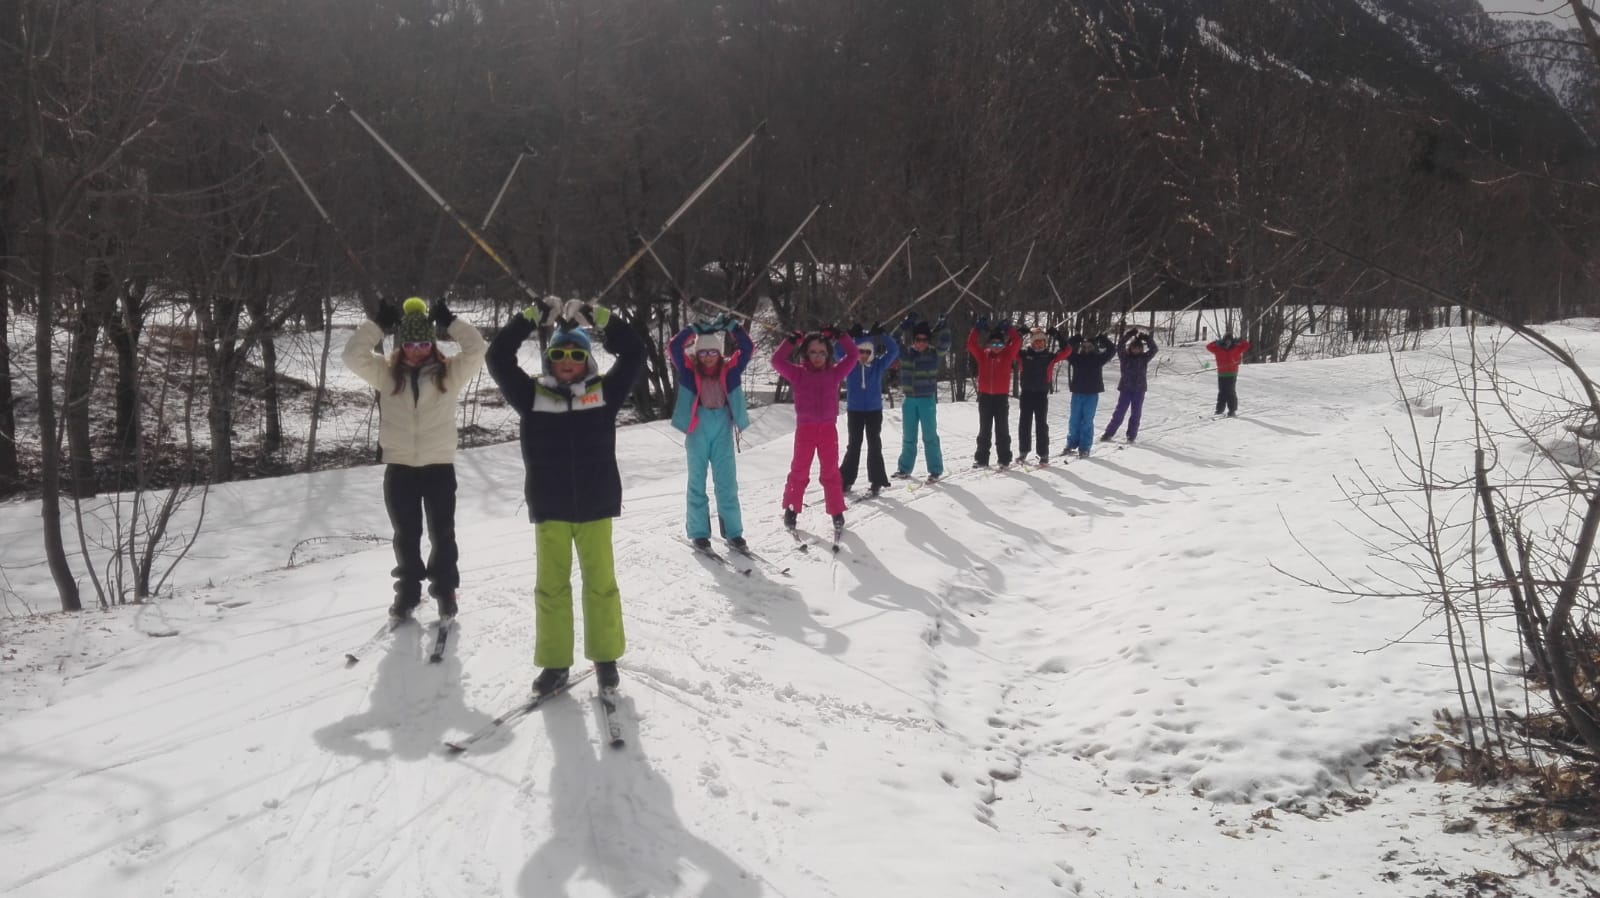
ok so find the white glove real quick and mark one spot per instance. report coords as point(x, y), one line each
point(577, 313)
point(552, 310)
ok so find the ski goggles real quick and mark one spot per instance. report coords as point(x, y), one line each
point(708, 353)
point(418, 345)
point(567, 354)
point(920, 338)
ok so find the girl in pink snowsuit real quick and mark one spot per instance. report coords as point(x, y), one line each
point(815, 385)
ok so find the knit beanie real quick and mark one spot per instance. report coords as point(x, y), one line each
point(922, 329)
point(709, 341)
point(572, 337)
point(414, 324)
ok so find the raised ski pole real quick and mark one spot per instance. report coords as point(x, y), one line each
point(875, 275)
point(434, 194)
point(967, 290)
point(527, 150)
point(375, 295)
point(927, 293)
point(1281, 297)
point(673, 218)
point(777, 255)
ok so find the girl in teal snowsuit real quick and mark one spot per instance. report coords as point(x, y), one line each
point(711, 411)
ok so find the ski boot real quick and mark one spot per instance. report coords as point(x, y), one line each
point(551, 679)
point(606, 673)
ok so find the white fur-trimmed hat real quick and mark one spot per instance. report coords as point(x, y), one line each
point(710, 341)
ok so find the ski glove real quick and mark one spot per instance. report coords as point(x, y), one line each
point(544, 311)
point(830, 332)
point(877, 329)
point(981, 323)
point(387, 316)
point(440, 314)
point(939, 325)
point(797, 337)
point(578, 313)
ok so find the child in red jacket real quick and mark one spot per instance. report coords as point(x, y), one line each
point(995, 357)
point(1229, 351)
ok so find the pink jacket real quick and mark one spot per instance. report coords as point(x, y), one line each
point(816, 393)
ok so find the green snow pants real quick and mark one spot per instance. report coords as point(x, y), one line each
point(552, 594)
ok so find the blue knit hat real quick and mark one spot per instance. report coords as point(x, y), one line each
point(570, 338)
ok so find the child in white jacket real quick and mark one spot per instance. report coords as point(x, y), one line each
point(418, 387)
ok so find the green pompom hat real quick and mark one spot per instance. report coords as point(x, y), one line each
point(414, 324)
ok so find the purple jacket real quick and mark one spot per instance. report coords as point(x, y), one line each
point(816, 393)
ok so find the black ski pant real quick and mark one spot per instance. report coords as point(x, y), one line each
point(416, 496)
point(1227, 394)
point(870, 426)
point(1034, 408)
point(994, 416)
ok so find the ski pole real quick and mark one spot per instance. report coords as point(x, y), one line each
point(929, 292)
point(434, 194)
point(527, 151)
point(1109, 291)
point(684, 207)
point(965, 291)
point(376, 296)
point(775, 256)
point(1060, 303)
point(1141, 302)
point(877, 274)
point(1025, 260)
point(1281, 297)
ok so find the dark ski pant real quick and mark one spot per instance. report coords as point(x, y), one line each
point(1034, 407)
point(870, 426)
point(416, 496)
point(1227, 393)
point(1131, 403)
point(994, 416)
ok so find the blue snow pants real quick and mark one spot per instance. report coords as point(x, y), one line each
point(711, 444)
point(1080, 425)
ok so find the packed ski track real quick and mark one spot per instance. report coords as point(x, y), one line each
point(1079, 679)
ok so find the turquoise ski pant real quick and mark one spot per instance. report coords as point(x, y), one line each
point(920, 413)
point(711, 445)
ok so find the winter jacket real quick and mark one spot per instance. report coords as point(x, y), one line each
point(864, 386)
point(919, 371)
point(569, 432)
point(1228, 356)
point(994, 368)
point(417, 426)
point(1135, 367)
point(816, 393)
point(686, 412)
point(1087, 359)
point(1039, 368)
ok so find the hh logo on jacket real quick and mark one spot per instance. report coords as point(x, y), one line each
point(591, 399)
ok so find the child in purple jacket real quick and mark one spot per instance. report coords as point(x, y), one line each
point(815, 385)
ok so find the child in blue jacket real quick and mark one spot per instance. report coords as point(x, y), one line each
point(864, 406)
point(711, 411)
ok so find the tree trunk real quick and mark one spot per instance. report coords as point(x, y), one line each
point(126, 429)
point(78, 392)
point(55, 549)
point(273, 441)
point(219, 416)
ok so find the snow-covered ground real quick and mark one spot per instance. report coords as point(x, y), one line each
point(1086, 679)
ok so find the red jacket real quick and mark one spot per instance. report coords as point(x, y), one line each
point(994, 368)
point(1228, 359)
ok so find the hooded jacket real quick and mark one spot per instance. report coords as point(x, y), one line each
point(417, 426)
point(919, 370)
point(994, 368)
point(1229, 354)
point(1135, 368)
point(864, 386)
point(686, 411)
point(816, 393)
point(569, 431)
point(1088, 359)
point(1038, 367)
